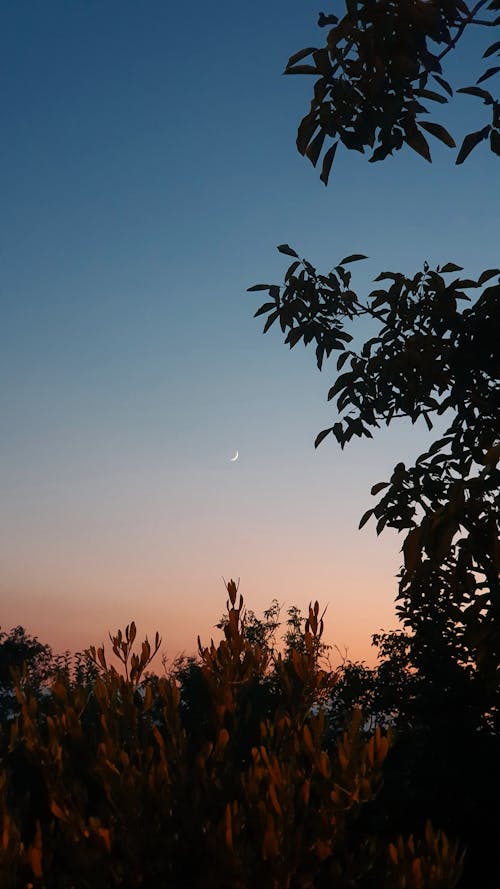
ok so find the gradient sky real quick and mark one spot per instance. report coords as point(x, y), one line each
point(148, 171)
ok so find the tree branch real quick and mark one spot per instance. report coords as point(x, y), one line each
point(469, 20)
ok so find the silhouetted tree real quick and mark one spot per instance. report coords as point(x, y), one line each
point(433, 353)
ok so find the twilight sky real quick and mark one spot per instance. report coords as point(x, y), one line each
point(148, 170)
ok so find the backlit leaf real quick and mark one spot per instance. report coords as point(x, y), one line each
point(365, 517)
point(489, 73)
point(354, 257)
point(439, 132)
point(470, 143)
point(327, 163)
point(319, 438)
point(284, 248)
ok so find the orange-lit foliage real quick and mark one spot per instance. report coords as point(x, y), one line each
point(103, 787)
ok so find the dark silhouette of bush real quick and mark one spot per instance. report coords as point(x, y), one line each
point(111, 785)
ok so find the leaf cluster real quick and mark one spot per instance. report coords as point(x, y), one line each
point(379, 69)
point(434, 355)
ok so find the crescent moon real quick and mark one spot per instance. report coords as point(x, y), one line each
point(234, 459)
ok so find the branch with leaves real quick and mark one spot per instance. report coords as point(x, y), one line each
point(377, 72)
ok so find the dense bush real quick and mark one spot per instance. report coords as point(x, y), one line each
point(115, 784)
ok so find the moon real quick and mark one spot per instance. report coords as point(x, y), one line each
point(234, 459)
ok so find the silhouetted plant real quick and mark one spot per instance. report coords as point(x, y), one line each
point(107, 788)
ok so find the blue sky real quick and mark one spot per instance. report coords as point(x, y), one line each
point(148, 170)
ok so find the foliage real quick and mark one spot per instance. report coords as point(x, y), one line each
point(33, 664)
point(432, 355)
point(429, 358)
point(109, 789)
point(380, 63)
point(444, 760)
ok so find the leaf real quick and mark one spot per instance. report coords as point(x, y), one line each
point(327, 163)
point(284, 248)
point(306, 131)
point(339, 383)
point(470, 143)
point(264, 308)
point(451, 267)
point(354, 257)
point(439, 132)
point(319, 438)
point(292, 269)
point(486, 275)
point(476, 91)
point(489, 73)
point(444, 83)
point(342, 359)
point(302, 69)
point(491, 49)
point(294, 336)
point(495, 141)
point(416, 140)
point(313, 150)
point(412, 549)
point(270, 320)
point(301, 54)
point(365, 517)
point(258, 287)
point(379, 487)
point(430, 94)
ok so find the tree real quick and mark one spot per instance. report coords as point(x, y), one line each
point(429, 356)
point(433, 354)
point(21, 653)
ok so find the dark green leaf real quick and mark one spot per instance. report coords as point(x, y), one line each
point(430, 94)
point(439, 132)
point(470, 143)
point(339, 383)
point(258, 287)
point(486, 275)
point(365, 517)
point(416, 140)
point(379, 487)
point(476, 91)
point(319, 438)
point(301, 54)
point(495, 141)
point(265, 308)
point(294, 336)
point(306, 131)
point(451, 267)
point(284, 248)
point(342, 359)
point(327, 163)
point(354, 257)
point(489, 73)
point(302, 69)
point(313, 150)
point(491, 49)
point(270, 320)
point(291, 270)
point(412, 549)
point(444, 83)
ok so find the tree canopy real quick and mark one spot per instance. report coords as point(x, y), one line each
point(434, 350)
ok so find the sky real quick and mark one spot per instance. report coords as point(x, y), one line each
point(148, 170)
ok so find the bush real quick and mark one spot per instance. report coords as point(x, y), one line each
point(116, 784)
